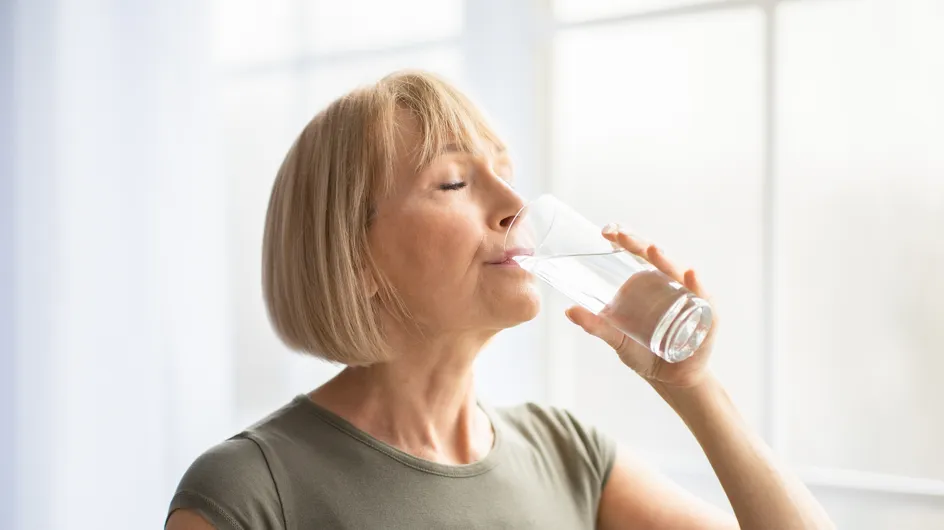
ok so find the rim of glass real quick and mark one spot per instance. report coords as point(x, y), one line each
point(537, 243)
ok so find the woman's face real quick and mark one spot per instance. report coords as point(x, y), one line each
point(439, 236)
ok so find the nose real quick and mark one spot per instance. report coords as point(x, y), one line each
point(508, 203)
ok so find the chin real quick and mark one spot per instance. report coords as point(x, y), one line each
point(523, 307)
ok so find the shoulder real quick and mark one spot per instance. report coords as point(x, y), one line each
point(536, 414)
point(231, 486)
point(231, 466)
point(558, 431)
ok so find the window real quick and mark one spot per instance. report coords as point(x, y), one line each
point(860, 181)
point(622, 120)
point(788, 150)
point(792, 152)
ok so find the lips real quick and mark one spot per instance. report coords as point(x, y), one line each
point(507, 257)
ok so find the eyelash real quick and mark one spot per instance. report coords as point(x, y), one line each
point(453, 186)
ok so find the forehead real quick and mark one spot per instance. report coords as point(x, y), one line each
point(419, 144)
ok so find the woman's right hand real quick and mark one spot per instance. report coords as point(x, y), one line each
point(653, 368)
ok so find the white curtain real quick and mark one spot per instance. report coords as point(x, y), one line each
point(121, 370)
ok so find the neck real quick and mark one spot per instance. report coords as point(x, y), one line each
point(423, 402)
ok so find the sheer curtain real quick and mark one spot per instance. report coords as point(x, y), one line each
point(6, 265)
point(120, 342)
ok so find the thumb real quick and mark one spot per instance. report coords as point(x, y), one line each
point(596, 326)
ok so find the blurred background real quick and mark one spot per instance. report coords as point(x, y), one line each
point(792, 151)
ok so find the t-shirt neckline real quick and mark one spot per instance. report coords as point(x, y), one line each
point(479, 467)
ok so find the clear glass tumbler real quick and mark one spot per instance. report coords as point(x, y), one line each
point(567, 251)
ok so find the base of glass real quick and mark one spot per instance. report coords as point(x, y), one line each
point(682, 329)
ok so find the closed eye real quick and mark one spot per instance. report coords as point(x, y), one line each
point(452, 186)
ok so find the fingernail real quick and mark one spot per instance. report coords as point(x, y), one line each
point(570, 318)
point(611, 228)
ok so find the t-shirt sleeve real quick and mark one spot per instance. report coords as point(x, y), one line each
point(601, 449)
point(585, 454)
point(231, 487)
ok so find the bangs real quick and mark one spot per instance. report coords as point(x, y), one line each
point(448, 120)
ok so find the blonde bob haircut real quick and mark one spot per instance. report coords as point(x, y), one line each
point(323, 291)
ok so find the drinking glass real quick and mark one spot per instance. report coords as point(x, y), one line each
point(567, 251)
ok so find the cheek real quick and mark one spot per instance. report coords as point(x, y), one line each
point(427, 253)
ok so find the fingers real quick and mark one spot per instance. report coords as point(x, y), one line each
point(693, 284)
point(644, 250)
point(596, 326)
point(654, 255)
point(657, 258)
point(615, 234)
point(633, 354)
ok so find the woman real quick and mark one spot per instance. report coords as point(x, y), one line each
point(383, 252)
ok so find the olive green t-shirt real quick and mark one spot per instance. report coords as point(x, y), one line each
point(304, 467)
